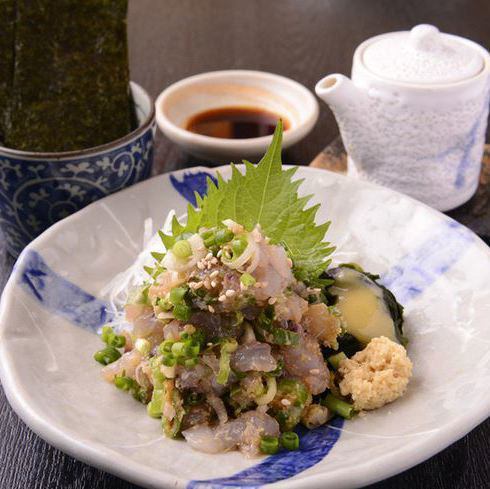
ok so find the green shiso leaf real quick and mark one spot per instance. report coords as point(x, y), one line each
point(265, 194)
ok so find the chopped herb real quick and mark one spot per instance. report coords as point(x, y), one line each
point(247, 279)
point(154, 407)
point(182, 312)
point(337, 359)
point(269, 445)
point(124, 383)
point(290, 440)
point(177, 294)
point(227, 348)
point(107, 355)
point(338, 406)
point(182, 249)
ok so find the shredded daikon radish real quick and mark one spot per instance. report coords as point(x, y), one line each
point(116, 291)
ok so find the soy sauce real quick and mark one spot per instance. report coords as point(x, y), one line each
point(235, 123)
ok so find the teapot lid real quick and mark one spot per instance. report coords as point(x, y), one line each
point(422, 56)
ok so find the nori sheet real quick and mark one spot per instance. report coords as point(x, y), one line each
point(7, 18)
point(71, 75)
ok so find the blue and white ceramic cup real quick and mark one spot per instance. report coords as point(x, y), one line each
point(38, 189)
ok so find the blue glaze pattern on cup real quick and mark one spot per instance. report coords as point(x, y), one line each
point(36, 192)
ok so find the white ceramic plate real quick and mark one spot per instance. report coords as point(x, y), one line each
point(52, 304)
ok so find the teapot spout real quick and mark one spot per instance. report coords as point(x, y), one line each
point(338, 91)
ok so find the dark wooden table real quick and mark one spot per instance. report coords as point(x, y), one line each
point(301, 39)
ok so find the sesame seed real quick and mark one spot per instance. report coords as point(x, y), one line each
point(214, 274)
point(285, 402)
point(230, 293)
point(290, 263)
point(222, 298)
point(206, 283)
point(315, 371)
point(210, 308)
point(220, 252)
point(214, 261)
point(209, 256)
point(213, 284)
point(272, 300)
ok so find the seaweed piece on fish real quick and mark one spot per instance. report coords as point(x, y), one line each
point(71, 75)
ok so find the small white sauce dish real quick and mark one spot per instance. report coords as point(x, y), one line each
point(234, 88)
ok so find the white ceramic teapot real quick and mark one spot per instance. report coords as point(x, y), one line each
point(415, 113)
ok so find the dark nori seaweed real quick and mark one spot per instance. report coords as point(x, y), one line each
point(7, 21)
point(71, 76)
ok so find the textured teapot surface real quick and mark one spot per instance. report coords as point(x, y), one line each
point(415, 113)
point(422, 56)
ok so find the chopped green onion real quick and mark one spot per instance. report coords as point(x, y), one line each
point(227, 348)
point(247, 279)
point(191, 362)
point(290, 440)
point(223, 236)
point(269, 445)
point(182, 312)
point(216, 237)
point(294, 390)
point(209, 237)
point(266, 330)
point(238, 246)
point(124, 383)
point(278, 370)
point(143, 346)
point(289, 402)
point(182, 249)
point(337, 359)
point(338, 406)
point(155, 362)
point(106, 332)
point(177, 295)
point(171, 427)
point(117, 341)
point(141, 394)
point(154, 407)
point(178, 348)
point(166, 346)
point(207, 234)
point(227, 255)
point(282, 336)
point(164, 304)
point(157, 377)
point(107, 355)
point(192, 350)
point(169, 360)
